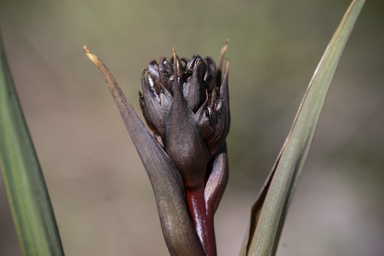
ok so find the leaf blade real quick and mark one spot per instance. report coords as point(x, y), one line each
point(24, 181)
point(273, 212)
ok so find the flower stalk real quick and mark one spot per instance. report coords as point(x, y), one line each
point(187, 109)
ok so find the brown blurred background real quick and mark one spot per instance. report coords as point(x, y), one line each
point(99, 189)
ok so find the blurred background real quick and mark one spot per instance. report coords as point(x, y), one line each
point(100, 192)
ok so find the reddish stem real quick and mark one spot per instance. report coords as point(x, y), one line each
point(203, 223)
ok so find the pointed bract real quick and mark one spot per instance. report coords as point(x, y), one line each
point(178, 228)
point(193, 88)
point(217, 180)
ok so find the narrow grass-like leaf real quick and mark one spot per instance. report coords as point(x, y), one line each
point(24, 182)
point(274, 208)
point(178, 228)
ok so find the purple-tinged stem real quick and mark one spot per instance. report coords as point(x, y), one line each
point(203, 224)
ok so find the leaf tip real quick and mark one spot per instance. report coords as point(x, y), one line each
point(91, 56)
point(222, 53)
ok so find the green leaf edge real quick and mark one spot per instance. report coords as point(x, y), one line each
point(274, 210)
point(24, 182)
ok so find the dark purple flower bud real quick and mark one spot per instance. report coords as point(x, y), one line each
point(193, 89)
point(156, 102)
point(165, 72)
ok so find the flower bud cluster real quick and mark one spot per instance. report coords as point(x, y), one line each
point(190, 120)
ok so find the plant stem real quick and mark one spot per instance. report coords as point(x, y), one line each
point(203, 224)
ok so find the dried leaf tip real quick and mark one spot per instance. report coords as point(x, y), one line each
point(91, 56)
point(175, 69)
point(174, 59)
point(222, 53)
point(226, 66)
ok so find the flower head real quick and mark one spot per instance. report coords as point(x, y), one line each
point(190, 116)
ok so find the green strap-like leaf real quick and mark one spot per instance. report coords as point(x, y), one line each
point(274, 209)
point(24, 182)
